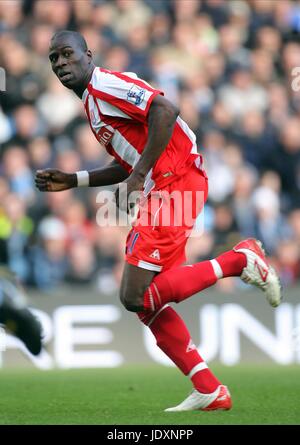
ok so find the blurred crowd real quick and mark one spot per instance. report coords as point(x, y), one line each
point(228, 64)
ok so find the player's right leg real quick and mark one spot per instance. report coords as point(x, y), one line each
point(252, 267)
point(219, 400)
point(173, 338)
point(17, 318)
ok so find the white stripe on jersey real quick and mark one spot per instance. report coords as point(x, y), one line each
point(84, 96)
point(124, 149)
point(117, 87)
point(94, 114)
point(95, 119)
point(109, 110)
point(131, 156)
point(190, 134)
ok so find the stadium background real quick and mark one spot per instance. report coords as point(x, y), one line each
point(229, 66)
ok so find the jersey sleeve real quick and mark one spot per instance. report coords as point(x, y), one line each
point(122, 94)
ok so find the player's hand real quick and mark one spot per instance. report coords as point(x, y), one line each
point(123, 192)
point(51, 180)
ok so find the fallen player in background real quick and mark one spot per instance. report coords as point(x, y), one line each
point(15, 315)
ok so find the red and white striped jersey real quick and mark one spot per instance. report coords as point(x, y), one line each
point(117, 106)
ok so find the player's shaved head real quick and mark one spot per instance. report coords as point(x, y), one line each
point(71, 60)
point(75, 36)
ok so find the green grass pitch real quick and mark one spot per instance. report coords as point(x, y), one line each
point(138, 396)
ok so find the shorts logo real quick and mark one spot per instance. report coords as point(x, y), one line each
point(136, 95)
point(190, 346)
point(155, 254)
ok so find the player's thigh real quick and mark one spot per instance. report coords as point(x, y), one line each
point(134, 283)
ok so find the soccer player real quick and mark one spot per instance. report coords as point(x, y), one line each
point(15, 316)
point(154, 151)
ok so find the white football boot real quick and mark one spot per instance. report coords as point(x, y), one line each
point(258, 272)
point(218, 400)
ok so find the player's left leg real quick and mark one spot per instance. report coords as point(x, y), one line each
point(173, 338)
point(134, 283)
point(246, 260)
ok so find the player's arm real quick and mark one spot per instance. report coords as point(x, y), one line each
point(161, 120)
point(52, 180)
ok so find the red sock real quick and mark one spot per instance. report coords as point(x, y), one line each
point(173, 338)
point(177, 284)
point(232, 263)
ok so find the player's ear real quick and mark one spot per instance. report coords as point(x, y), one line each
point(90, 55)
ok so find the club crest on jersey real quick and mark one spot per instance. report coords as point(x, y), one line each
point(136, 95)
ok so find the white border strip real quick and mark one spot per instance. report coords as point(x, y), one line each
point(217, 269)
point(149, 266)
point(156, 314)
point(124, 149)
point(197, 368)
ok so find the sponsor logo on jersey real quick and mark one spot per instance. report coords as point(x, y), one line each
point(105, 135)
point(136, 95)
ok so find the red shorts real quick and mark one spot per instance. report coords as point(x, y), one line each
point(166, 218)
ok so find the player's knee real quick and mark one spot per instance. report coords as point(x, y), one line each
point(132, 303)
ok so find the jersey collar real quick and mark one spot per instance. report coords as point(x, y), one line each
point(86, 91)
